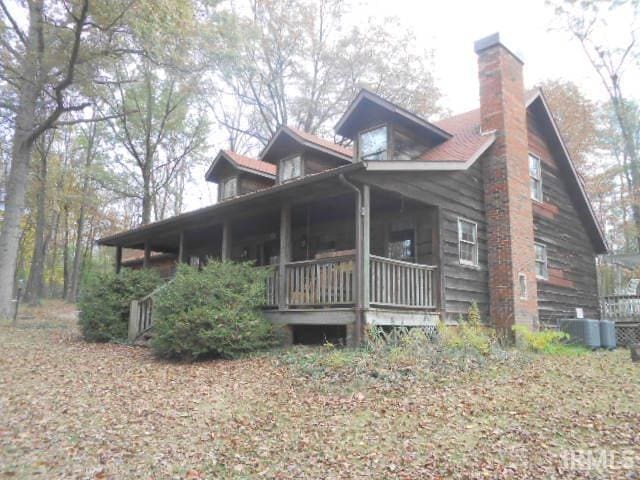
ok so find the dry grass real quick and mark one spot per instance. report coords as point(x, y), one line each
point(74, 410)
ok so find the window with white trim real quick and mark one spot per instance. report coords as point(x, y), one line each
point(228, 188)
point(290, 168)
point(468, 242)
point(542, 268)
point(535, 171)
point(372, 144)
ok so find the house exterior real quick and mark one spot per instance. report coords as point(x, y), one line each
point(414, 223)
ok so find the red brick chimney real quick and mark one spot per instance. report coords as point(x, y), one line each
point(507, 187)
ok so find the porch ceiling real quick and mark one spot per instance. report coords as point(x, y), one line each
point(164, 235)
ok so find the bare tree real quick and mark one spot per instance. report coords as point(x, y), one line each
point(296, 64)
point(35, 283)
point(589, 22)
point(158, 126)
point(39, 71)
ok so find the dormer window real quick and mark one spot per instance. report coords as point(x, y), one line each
point(228, 188)
point(372, 144)
point(290, 168)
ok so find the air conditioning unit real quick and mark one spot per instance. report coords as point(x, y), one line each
point(608, 334)
point(584, 331)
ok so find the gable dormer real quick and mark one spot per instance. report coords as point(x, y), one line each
point(382, 131)
point(237, 174)
point(297, 154)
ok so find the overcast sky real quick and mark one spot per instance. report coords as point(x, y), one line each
point(451, 27)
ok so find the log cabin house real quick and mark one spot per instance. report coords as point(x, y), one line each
point(414, 223)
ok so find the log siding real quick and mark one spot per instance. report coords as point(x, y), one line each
point(456, 194)
point(571, 256)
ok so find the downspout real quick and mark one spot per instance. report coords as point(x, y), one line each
point(359, 296)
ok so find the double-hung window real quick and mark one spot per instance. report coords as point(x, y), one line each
point(542, 269)
point(228, 188)
point(535, 171)
point(468, 242)
point(372, 144)
point(291, 168)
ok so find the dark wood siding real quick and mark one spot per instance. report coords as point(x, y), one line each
point(571, 257)
point(315, 162)
point(457, 194)
point(251, 183)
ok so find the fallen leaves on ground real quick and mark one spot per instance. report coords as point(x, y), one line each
point(69, 409)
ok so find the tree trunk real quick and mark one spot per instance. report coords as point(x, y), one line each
point(65, 254)
point(10, 234)
point(20, 157)
point(147, 200)
point(76, 269)
point(53, 261)
point(35, 284)
point(77, 254)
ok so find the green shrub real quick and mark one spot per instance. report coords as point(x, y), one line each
point(213, 312)
point(105, 299)
point(468, 335)
point(543, 341)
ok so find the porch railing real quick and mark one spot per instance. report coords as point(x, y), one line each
point(401, 284)
point(327, 281)
point(271, 286)
point(141, 314)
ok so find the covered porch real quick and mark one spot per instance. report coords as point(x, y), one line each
point(337, 253)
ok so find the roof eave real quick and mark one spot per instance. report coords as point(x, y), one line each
point(431, 165)
point(209, 175)
point(283, 129)
point(111, 239)
point(373, 97)
point(539, 95)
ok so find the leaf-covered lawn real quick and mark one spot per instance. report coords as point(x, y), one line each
point(69, 409)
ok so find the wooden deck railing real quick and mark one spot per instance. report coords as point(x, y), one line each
point(327, 281)
point(401, 284)
point(271, 287)
point(141, 314)
point(621, 307)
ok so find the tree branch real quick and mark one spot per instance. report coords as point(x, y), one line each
point(14, 24)
point(90, 120)
point(68, 78)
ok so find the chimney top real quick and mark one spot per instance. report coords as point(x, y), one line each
point(492, 41)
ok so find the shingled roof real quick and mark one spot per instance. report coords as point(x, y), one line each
point(252, 163)
point(242, 162)
point(322, 142)
point(466, 142)
point(342, 154)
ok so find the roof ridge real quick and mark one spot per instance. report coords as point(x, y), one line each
point(321, 140)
